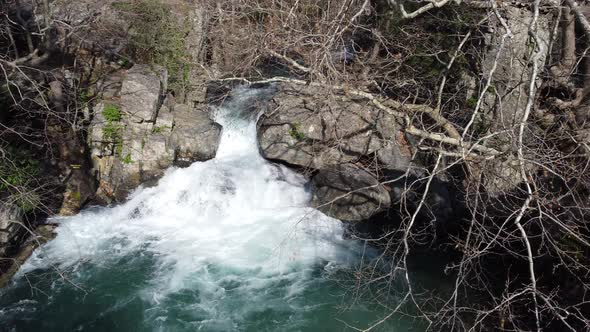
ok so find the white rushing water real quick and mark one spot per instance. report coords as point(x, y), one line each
point(227, 232)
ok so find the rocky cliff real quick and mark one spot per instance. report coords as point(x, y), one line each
point(138, 131)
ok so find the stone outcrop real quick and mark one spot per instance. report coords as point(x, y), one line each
point(350, 148)
point(138, 132)
point(317, 129)
point(349, 193)
point(11, 227)
point(505, 101)
point(40, 236)
point(195, 136)
point(362, 166)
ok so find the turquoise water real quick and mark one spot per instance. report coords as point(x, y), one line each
point(117, 296)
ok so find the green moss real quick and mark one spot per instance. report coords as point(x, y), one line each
point(111, 113)
point(119, 147)
point(471, 102)
point(296, 132)
point(160, 129)
point(492, 90)
point(111, 131)
point(76, 195)
point(84, 96)
point(127, 160)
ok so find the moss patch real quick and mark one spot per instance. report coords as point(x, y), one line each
point(127, 160)
point(111, 113)
point(112, 130)
point(296, 132)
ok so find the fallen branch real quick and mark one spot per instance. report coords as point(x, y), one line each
point(421, 10)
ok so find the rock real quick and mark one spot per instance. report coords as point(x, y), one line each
point(76, 171)
point(150, 134)
point(42, 234)
point(195, 17)
point(195, 136)
point(505, 102)
point(157, 156)
point(142, 91)
point(315, 129)
point(325, 132)
point(101, 27)
point(11, 227)
point(512, 65)
point(407, 190)
point(196, 47)
point(349, 193)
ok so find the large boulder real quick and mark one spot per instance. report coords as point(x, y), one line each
point(349, 193)
point(335, 137)
point(142, 92)
point(327, 133)
point(315, 129)
point(137, 132)
point(190, 124)
point(11, 227)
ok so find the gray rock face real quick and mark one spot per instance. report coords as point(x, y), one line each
point(11, 219)
point(349, 193)
point(504, 104)
point(148, 135)
point(315, 129)
point(188, 125)
point(322, 131)
point(141, 92)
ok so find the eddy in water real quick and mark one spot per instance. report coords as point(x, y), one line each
point(224, 245)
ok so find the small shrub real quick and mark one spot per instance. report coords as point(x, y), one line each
point(111, 131)
point(111, 113)
point(28, 201)
point(471, 102)
point(159, 129)
point(296, 132)
point(84, 96)
point(127, 160)
point(19, 173)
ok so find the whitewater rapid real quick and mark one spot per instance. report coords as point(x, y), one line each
point(238, 209)
point(229, 244)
